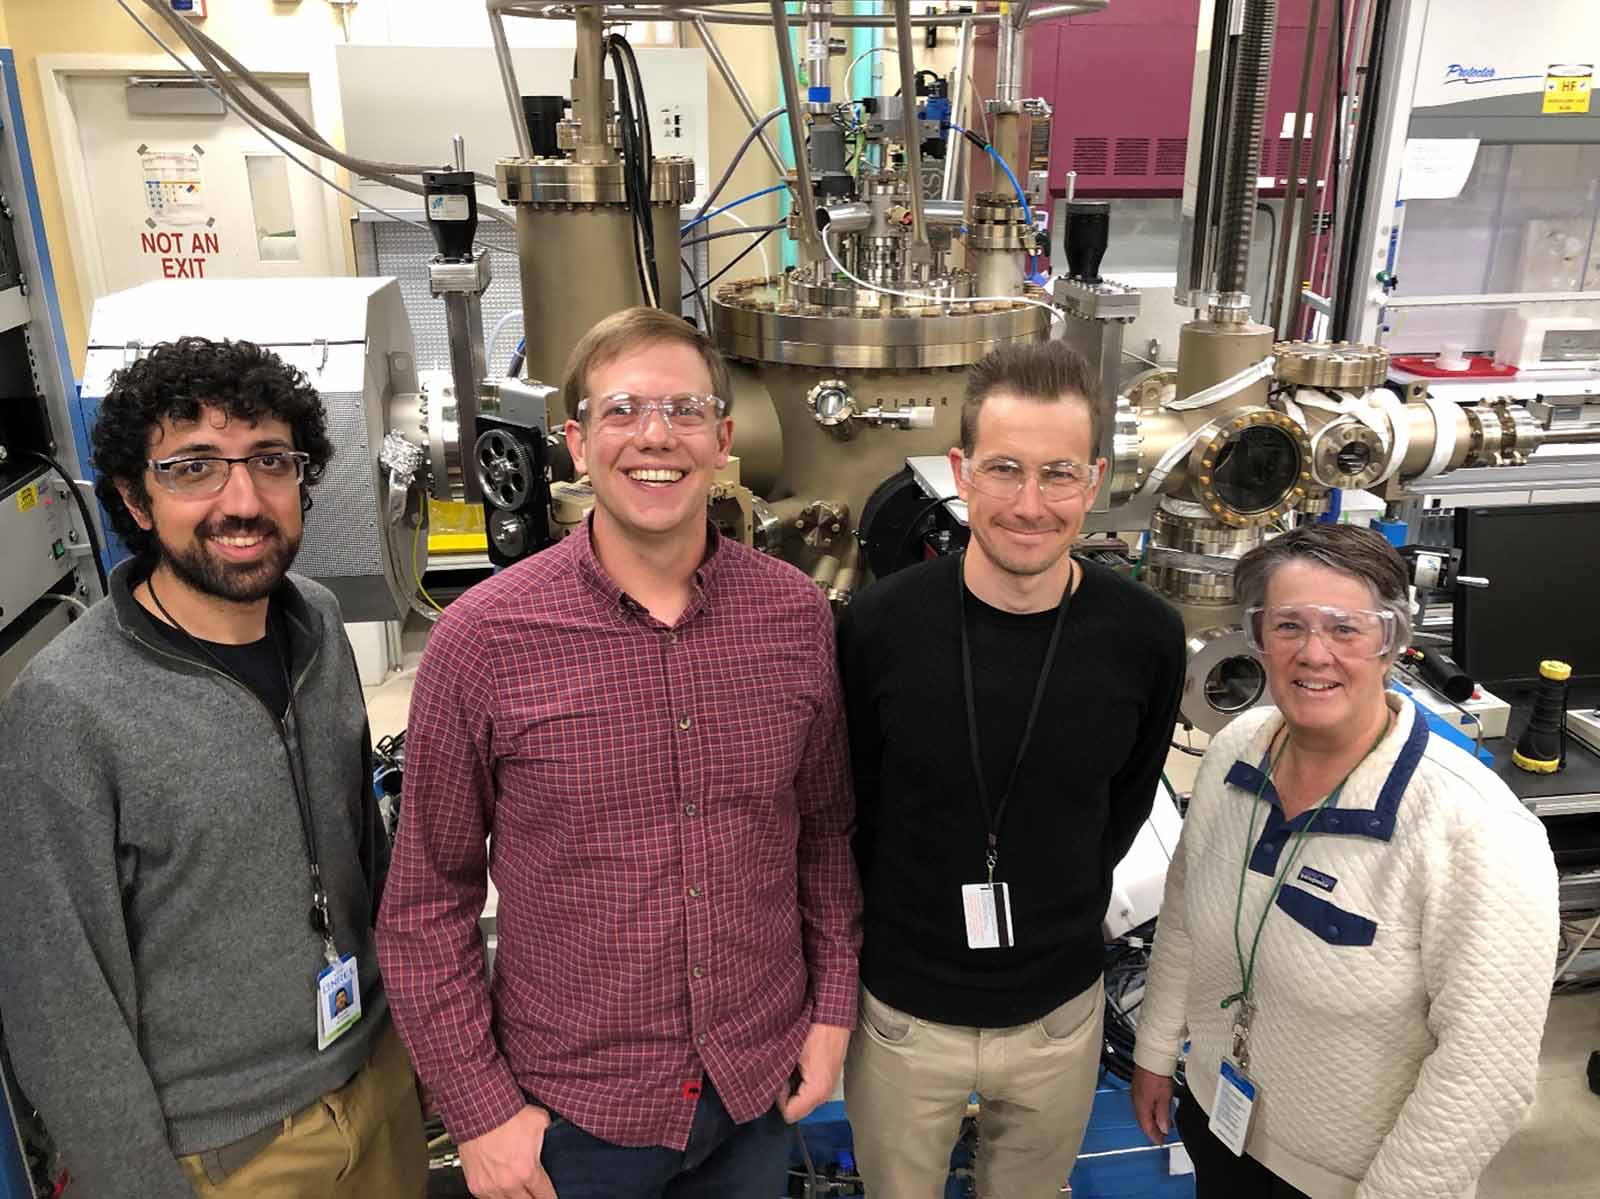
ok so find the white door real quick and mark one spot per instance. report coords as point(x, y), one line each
point(190, 195)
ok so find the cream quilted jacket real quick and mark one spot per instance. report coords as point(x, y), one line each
point(1403, 978)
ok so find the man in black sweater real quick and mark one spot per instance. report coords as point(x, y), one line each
point(1009, 712)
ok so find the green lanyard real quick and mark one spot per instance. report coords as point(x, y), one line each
point(1247, 969)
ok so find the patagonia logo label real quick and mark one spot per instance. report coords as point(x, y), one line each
point(1317, 879)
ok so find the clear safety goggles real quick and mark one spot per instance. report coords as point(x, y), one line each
point(625, 413)
point(1347, 632)
point(1004, 479)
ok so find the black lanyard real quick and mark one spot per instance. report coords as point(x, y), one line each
point(996, 815)
point(288, 729)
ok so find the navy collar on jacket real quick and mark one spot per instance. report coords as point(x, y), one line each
point(1376, 822)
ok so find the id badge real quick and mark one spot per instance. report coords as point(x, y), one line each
point(338, 1000)
point(988, 911)
point(1236, 1102)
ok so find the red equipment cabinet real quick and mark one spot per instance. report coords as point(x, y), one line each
point(1120, 81)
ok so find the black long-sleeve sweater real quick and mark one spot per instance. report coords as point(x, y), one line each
point(1082, 791)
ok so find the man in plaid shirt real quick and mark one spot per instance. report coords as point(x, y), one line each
point(647, 721)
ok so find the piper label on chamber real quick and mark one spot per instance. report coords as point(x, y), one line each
point(1566, 88)
point(448, 208)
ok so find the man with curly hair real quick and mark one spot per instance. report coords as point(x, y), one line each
point(193, 857)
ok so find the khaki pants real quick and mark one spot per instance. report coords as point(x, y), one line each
point(907, 1082)
point(363, 1141)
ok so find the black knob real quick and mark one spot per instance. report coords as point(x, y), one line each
point(1088, 231)
point(451, 202)
point(543, 114)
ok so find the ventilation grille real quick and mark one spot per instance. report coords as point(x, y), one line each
point(1090, 155)
point(1133, 155)
point(1171, 153)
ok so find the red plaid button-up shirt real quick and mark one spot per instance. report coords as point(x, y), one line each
point(671, 815)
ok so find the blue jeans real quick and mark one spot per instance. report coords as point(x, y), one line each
point(723, 1160)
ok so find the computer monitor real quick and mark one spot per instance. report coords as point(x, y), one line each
point(1543, 599)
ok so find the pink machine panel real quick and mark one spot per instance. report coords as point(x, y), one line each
point(1120, 81)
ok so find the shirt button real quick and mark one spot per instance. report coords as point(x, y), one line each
point(694, 892)
point(672, 637)
point(698, 971)
point(683, 723)
point(689, 809)
point(1333, 930)
point(700, 1039)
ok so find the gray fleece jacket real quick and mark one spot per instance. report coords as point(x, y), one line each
point(157, 961)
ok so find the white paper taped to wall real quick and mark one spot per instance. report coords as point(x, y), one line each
point(172, 189)
point(1436, 168)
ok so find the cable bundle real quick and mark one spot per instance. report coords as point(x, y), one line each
point(633, 116)
point(1127, 964)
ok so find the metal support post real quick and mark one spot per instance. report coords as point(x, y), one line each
point(805, 198)
point(461, 285)
point(919, 251)
point(740, 97)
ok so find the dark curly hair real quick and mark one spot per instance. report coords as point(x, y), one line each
point(173, 381)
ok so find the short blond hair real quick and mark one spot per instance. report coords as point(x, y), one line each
point(628, 330)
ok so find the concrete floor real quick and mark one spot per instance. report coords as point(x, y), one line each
point(1555, 1155)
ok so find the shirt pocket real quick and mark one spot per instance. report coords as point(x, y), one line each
point(1332, 924)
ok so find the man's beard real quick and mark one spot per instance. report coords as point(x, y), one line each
point(237, 582)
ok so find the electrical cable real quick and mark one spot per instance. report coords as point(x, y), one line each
point(859, 58)
point(494, 337)
point(733, 163)
point(416, 571)
point(1573, 956)
point(1477, 724)
point(812, 1182)
point(1188, 749)
point(210, 86)
point(766, 263)
point(735, 262)
point(720, 233)
point(1127, 964)
point(637, 161)
point(925, 297)
point(978, 102)
point(987, 147)
point(225, 67)
point(518, 357)
point(1272, 252)
point(706, 216)
point(60, 597)
point(646, 163)
point(698, 294)
point(95, 547)
point(1141, 358)
point(921, 514)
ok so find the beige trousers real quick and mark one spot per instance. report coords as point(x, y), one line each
point(362, 1141)
point(907, 1082)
